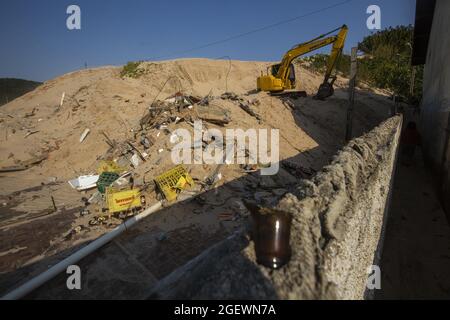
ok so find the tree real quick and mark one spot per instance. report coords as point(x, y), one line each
point(385, 62)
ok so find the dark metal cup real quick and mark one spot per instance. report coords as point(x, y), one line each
point(271, 235)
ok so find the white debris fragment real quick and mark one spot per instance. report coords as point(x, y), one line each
point(96, 197)
point(135, 160)
point(84, 182)
point(120, 182)
point(84, 135)
point(62, 99)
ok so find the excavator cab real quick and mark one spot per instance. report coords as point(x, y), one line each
point(272, 83)
point(290, 76)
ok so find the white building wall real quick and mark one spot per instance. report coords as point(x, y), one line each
point(436, 91)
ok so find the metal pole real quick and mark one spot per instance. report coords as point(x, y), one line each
point(351, 94)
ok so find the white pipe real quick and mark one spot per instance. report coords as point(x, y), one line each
point(39, 280)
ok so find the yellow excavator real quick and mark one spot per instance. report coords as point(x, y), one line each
point(282, 75)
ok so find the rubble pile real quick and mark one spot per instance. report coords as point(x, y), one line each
point(85, 151)
point(131, 171)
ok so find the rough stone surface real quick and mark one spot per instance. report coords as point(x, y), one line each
point(337, 224)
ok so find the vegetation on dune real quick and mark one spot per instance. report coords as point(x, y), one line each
point(385, 62)
point(132, 70)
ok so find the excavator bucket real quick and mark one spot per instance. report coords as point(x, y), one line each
point(325, 90)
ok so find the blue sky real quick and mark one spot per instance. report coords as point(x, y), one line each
point(36, 44)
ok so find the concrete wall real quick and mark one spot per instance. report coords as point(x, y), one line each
point(337, 226)
point(436, 96)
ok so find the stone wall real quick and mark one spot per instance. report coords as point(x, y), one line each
point(337, 226)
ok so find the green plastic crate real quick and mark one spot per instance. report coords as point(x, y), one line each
point(105, 180)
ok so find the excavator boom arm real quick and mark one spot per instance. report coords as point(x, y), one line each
point(336, 52)
point(298, 51)
point(304, 48)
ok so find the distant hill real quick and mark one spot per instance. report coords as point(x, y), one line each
point(11, 88)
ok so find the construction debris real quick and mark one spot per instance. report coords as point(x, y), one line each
point(212, 180)
point(135, 160)
point(139, 153)
point(29, 133)
point(84, 182)
point(84, 135)
point(213, 113)
point(84, 212)
point(289, 103)
point(146, 142)
point(119, 201)
point(111, 143)
point(98, 220)
point(185, 195)
point(230, 96)
point(173, 181)
point(249, 168)
point(105, 180)
point(30, 114)
point(95, 198)
point(62, 99)
point(247, 109)
point(110, 166)
point(54, 204)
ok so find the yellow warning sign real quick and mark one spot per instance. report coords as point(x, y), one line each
point(119, 201)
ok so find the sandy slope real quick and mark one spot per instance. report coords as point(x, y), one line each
point(102, 101)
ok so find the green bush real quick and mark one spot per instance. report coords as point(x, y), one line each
point(385, 64)
point(132, 70)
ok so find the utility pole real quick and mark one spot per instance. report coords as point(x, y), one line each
point(351, 93)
